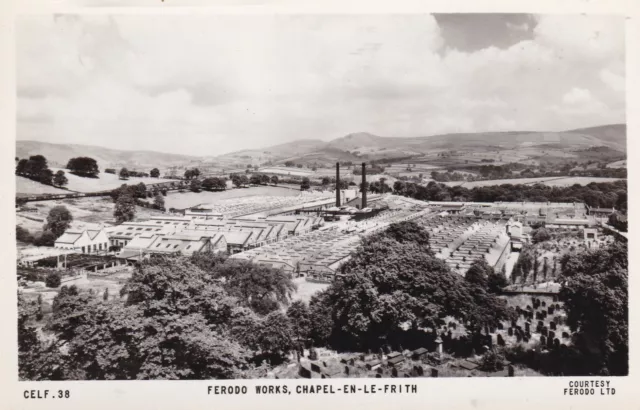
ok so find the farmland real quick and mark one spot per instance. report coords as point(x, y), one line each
point(181, 200)
point(25, 186)
point(549, 181)
point(104, 181)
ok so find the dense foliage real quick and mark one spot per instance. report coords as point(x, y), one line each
point(35, 168)
point(394, 287)
point(604, 194)
point(596, 297)
point(83, 166)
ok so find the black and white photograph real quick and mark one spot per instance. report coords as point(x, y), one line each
point(399, 196)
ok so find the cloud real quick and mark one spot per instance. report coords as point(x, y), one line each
point(209, 84)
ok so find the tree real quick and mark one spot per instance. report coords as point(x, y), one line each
point(155, 173)
point(140, 190)
point(306, 184)
point(540, 235)
point(261, 288)
point(83, 166)
point(274, 180)
point(325, 182)
point(36, 359)
point(195, 185)
point(53, 280)
point(124, 173)
point(125, 209)
point(158, 202)
point(45, 177)
point(478, 273)
point(595, 296)
point(58, 220)
point(289, 164)
point(496, 281)
point(47, 238)
point(299, 317)
point(382, 295)
point(60, 179)
point(274, 335)
point(404, 232)
point(21, 167)
point(23, 235)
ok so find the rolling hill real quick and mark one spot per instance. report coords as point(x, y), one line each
point(59, 154)
point(355, 147)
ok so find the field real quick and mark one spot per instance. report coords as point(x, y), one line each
point(25, 186)
point(618, 164)
point(86, 212)
point(103, 182)
point(286, 171)
point(182, 200)
point(549, 181)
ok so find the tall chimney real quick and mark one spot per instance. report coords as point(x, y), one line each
point(364, 185)
point(338, 184)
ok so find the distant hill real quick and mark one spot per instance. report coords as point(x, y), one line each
point(362, 145)
point(355, 147)
point(614, 135)
point(59, 154)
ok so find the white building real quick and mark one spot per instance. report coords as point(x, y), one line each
point(88, 241)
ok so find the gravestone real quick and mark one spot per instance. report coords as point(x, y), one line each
point(500, 326)
point(545, 331)
point(556, 343)
point(419, 370)
point(552, 334)
point(510, 331)
point(394, 372)
point(549, 342)
point(525, 338)
point(526, 326)
point(500, 340)
point(379, 370)
point(529, 307)
point(512, 370)
point(518, 336)
point(552, 325)
point(378, 376)
point(434, 372)
point(514, 323)
point(544, 304)
point(550, 310)
point(347, 370)
point(304, 372)
point(543, 340)
point(565, 335)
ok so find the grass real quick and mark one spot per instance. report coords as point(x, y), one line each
point(182, 200)
point(103, 182)
point(25, 186)
point(549, 181)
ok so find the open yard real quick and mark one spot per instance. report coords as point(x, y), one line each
point(86, 212)
point(307, 289)
point(182, 200)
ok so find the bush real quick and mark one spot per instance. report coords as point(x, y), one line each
point(23, 235)
point(47, 238)
point(53, 280)
point(492, 360)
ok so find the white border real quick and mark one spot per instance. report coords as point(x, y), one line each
point(478, 393)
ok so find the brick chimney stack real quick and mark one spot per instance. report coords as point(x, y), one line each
point(338, 184)
point(364, 185)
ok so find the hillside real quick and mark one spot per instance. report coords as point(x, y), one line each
point(614, 135)
point(365, 146)
point(59, 154)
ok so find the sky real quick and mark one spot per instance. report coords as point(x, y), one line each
point(207, 85)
